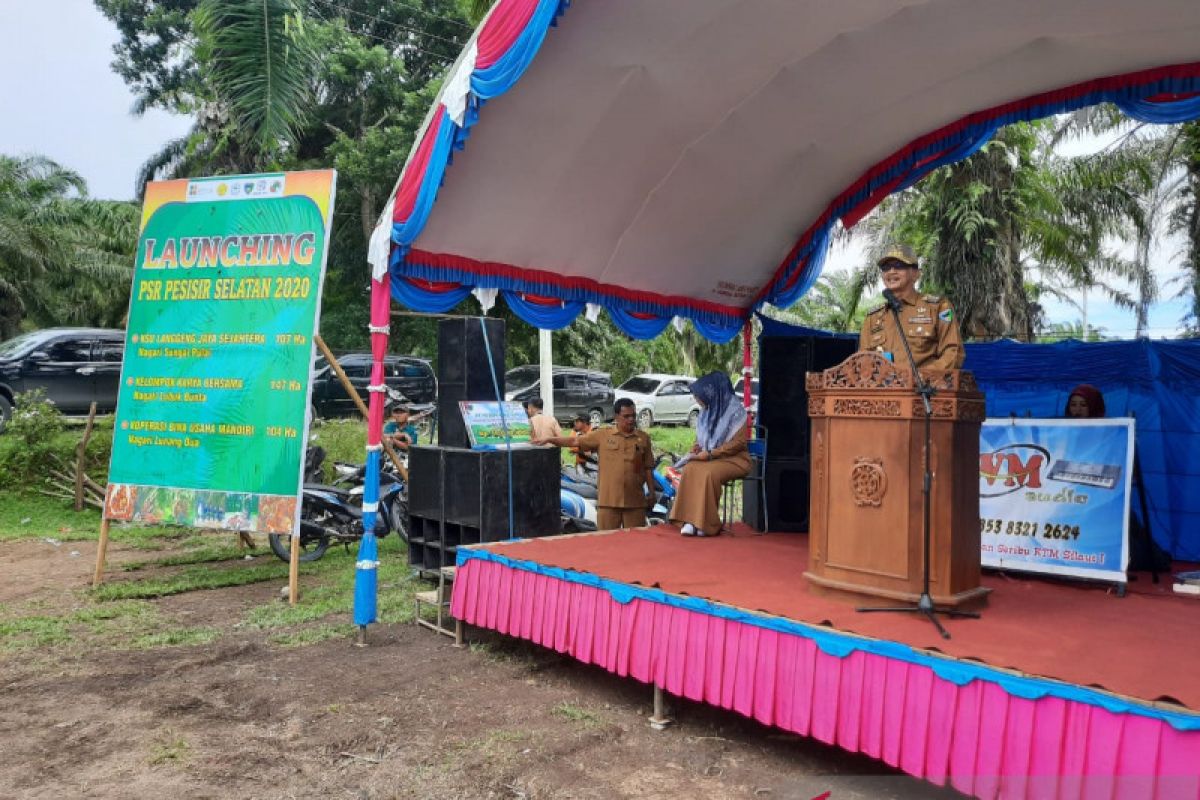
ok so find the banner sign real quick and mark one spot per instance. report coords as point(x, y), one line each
point(1054, 495)
point(485, 428)
point(212, 415)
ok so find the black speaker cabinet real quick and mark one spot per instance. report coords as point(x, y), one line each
point(787, 494)
point(425, 482)
point(476, 490)
point(464, 372)
point(782, 400)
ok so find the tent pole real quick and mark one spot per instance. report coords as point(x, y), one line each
point(546, 370)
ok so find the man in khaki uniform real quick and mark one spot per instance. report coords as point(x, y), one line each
point(928, 319)
point(626, 468)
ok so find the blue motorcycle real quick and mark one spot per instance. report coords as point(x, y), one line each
point(333, 512)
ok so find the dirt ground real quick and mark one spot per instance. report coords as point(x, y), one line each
point(408, 716)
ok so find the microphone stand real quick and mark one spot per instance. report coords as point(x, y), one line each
point(925, 605)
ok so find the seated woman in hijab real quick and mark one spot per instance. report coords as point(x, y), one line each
point(718, 456)
point(1085, 402)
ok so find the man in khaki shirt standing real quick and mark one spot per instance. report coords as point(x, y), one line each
point(626, 468)
point(928, 319)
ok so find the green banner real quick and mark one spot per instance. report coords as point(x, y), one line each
point(212, 413)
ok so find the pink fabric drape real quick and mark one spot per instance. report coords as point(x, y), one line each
point(410, 181)
point(507, 21)
point(381, 314)
point(977, 738)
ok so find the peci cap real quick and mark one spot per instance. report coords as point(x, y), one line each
point(899, 252)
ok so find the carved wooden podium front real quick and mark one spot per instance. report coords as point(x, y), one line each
point(865, 516)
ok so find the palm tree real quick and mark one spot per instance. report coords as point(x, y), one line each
point(1062, 331)
point(1185, 219)
point(63, 257)
point(1013, 211)
point(837, 302)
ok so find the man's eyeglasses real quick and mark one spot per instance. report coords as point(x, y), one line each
point(895, 265)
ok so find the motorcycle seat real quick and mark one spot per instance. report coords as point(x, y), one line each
point(324, 487)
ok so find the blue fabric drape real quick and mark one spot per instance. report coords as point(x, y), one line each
point(725, 325)
point(812, 257)
point(1167, 113)
point(637, 327)
point(405, 233)
point(718, 334)
point(500, 77)
point(550, 318)
point(419, 299)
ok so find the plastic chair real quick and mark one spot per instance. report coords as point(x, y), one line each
point(757, 447)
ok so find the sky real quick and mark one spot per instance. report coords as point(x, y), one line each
point(60, 98)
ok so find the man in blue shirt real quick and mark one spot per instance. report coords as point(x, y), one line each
point(399, 432)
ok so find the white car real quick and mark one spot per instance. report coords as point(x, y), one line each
point(737, 390)
point(661, 399)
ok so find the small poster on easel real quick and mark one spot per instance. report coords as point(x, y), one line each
point(494, 426)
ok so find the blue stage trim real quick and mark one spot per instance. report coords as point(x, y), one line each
point(841, 645)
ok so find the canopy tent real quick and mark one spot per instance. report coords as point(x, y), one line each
point(666, 159)
point(689, 159)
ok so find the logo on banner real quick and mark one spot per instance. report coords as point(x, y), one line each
point(1013, 467)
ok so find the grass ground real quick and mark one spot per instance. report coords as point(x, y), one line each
point(179, 561)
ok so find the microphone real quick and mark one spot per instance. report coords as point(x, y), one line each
point(892, 301)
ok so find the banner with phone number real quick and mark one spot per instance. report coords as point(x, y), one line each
point(1054, 495)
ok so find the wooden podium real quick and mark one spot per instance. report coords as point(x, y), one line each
point(865, 514)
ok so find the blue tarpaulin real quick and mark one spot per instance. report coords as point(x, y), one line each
point(1156, 382)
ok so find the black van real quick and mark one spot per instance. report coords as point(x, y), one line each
point(408, 374)
point(73, 366)
point(576, 391)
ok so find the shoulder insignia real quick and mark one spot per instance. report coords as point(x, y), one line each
point(877, 310)
point(932, 298)
point(946, 314)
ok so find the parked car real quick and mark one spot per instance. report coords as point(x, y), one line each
point(411, 376)
point(576, 391)
point(661, 399)
point(737, 390)
point(73, 366)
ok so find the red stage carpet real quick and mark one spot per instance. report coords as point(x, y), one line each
point(1141, 646)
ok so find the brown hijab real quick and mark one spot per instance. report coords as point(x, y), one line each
point(1091, 395)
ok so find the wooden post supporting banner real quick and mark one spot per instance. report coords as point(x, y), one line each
point(294, 570)
point(362, 407)
point(80, 449)
point(99, 575)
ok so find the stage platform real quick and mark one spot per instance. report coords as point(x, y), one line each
point(1060, 690)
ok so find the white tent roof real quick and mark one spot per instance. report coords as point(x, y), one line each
point(683, 147)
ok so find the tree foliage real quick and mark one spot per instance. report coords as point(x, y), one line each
point(64, 258)
point(1016, 221)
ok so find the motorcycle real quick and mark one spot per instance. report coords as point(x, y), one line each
point(577, 501)
point(333, 512)
point(666, 476)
